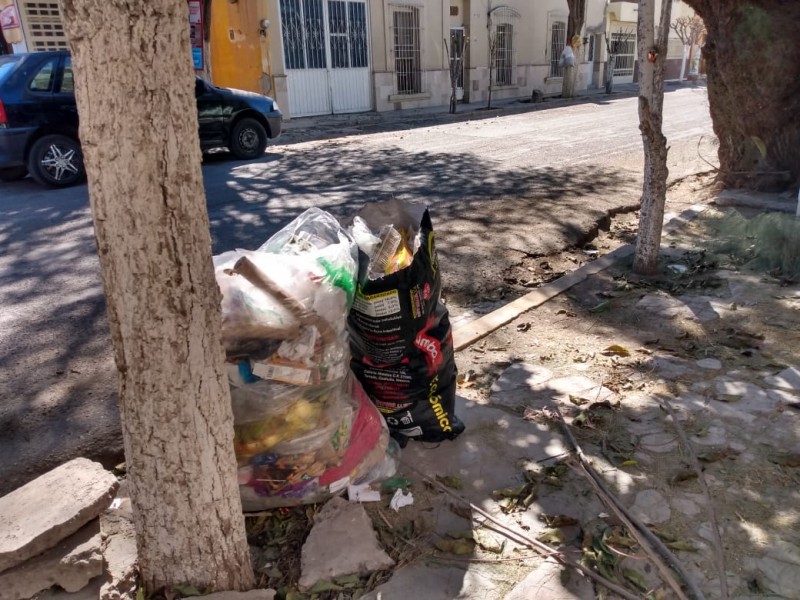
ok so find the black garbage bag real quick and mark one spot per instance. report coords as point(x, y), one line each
point(400, 336)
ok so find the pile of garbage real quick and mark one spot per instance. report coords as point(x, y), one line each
point(305, 428)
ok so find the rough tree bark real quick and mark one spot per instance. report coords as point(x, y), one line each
point(135, 94)
point(752, 60)
point(652, 55)
point(575, 22)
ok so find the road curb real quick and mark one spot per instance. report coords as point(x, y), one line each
point(468, 334)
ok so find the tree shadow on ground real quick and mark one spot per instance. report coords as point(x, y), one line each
point(60, 380)
point(738, 422)
point(486, 215)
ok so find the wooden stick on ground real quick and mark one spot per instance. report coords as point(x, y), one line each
point(643, 535)
point(720, 556)
point(525, 540)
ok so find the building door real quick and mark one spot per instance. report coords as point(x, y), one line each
point(457, 55)
point(623, 46)
point(326, 56)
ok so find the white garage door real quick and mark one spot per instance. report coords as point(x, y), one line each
point(326, 55)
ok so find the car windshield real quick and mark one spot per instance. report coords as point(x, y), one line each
point(7, 64)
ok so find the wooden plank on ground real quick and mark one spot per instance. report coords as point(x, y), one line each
point(472, 332)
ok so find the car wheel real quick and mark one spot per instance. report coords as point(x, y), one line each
point(13, 173)
point(248, 139)
point(56, 161)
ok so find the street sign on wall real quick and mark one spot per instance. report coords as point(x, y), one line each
point(196, 33)
point(9, 22)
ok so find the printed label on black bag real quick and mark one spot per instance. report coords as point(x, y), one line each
point(401, 340)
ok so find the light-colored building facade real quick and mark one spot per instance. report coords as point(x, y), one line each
point(338, 56)
point(619, 32)
point(333, 56)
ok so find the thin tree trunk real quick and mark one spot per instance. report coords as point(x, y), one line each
point(492, 52)
point(610, 66)
point(651, 102)
point(683, 64)
point(569, 80)
point(135, 94)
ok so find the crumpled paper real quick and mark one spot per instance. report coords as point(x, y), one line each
point(399, 500)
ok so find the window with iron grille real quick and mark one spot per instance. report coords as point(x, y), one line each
point(504, 55)
point(558, 38)
point(303, 33)
point(407, 54)
point(348, 34)
point(623, 46)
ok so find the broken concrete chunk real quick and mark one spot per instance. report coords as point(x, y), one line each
point(788, 379)
point(71, 565)
point(541, 391)
point(342, 542)
point(119, 551)
point(521, 375)
point(41, 513)
point(663, 306)
point(779, 570)
point(712, 364)
point(651, 507)
point(434, 583)
point(550, 580)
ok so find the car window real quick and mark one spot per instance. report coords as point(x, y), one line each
point(43, 80)
point(7, 64)
point(67, 81)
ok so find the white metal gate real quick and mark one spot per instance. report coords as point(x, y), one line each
point(624, 47)
point(326, 55)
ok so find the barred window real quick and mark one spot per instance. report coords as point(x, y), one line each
point(504, 54)
point(348, 34)
point(558, 39)
point(303, 32)
point(623, 46)
point(501, 44)
point(408, 71)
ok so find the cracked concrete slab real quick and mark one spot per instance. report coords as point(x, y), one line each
point(33, 518)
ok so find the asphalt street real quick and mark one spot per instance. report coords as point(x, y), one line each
point(497, 184)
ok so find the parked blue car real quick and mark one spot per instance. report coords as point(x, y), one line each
point(39, 120)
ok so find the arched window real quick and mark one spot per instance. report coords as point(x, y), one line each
point(558, 38)
point(502, 31)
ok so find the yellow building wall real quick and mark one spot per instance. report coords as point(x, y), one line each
point(239, 52)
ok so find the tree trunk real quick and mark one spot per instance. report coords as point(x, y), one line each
point(752, 60)
point(692, 75)
point(651, 102)
point(683, 63)
point(610, 66)
point(569, 80)
point(575, 22)
point(135, 95)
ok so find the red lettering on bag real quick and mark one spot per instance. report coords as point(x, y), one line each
point(432, 350)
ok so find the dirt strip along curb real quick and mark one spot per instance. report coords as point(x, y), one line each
point(478, 329)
